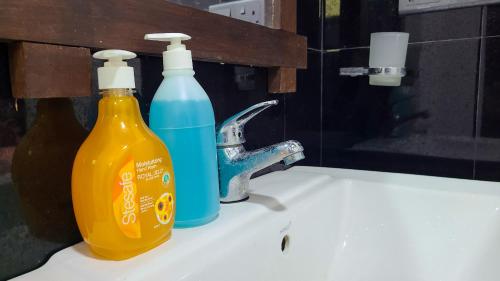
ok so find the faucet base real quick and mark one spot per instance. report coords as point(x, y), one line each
point(236, 166)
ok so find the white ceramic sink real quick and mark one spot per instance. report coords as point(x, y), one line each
point(340, 225)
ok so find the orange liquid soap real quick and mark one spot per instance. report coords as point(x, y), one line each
point(123, 182)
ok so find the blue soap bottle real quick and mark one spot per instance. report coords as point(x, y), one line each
point(181, 115)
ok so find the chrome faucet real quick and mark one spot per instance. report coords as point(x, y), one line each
point(236, 165)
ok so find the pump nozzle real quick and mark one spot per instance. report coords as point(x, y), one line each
point(175, 38)
point(115, 74)
point(176, 56)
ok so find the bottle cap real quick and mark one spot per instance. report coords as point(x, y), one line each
point(176, 56)
point(115, 74)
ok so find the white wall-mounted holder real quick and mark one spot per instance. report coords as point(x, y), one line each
point(387, 59)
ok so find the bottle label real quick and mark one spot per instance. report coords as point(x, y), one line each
point(164, 208)
point(125, 201)
point(154, 170)
point(155, 201)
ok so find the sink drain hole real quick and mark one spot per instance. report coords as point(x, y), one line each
point(285, 244)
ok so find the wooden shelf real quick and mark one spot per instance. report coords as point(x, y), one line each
point(103, 24)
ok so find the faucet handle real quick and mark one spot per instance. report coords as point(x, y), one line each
point(231, 131)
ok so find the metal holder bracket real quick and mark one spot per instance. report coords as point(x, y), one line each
point(373, 71)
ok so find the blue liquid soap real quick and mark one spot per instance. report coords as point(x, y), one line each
point(182, 116)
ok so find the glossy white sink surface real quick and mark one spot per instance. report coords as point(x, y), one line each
point(342, 225)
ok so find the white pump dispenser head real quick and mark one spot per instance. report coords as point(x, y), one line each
point(115, 74)
point(176, 56)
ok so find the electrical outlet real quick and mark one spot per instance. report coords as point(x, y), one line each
point(246, 10)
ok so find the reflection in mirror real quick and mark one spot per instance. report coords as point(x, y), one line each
point(41, 171)
point(247, 10)
point(36, 216)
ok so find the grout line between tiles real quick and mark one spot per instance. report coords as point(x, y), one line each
point(322, 24)
point(322, 7)
point(284, 117)
point(418, 43)
point(445, 40)
point(480, 87)
point(321, 90)
point(314, 49)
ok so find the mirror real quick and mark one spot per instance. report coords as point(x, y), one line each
point(259, 12)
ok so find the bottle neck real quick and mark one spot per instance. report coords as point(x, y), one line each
point(119, 103)
point(177, 72)
point(117, 92)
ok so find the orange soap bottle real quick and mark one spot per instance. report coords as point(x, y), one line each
point(122, 182)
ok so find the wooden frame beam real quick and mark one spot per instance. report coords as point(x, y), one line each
point(284, 79)
point(103, 24)
point(49, 71)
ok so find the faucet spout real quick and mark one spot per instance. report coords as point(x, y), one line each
point(236, 166)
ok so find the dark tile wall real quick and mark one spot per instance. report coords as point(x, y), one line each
point(302, 110)
point(309, 19)
point(444, 120)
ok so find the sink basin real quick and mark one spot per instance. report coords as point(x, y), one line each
point(322, 224)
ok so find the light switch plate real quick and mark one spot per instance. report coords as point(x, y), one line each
point(246, 10)
point(419, 6)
